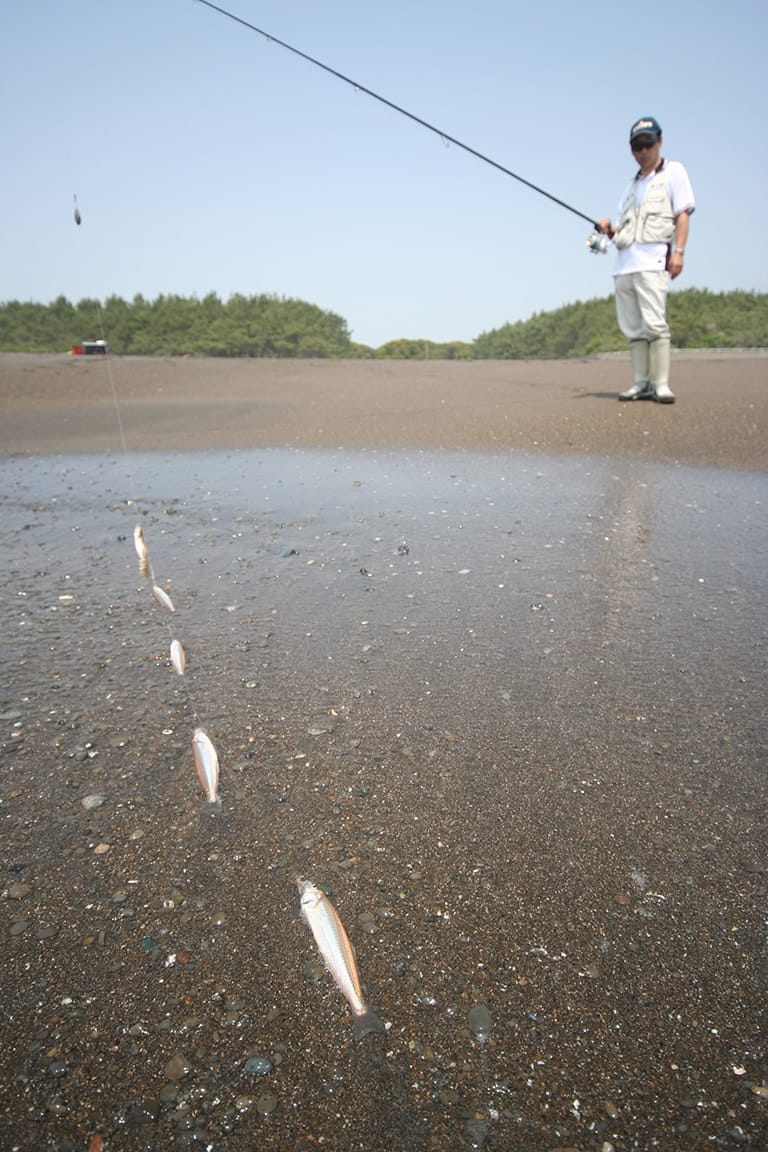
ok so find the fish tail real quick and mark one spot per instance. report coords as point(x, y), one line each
point(366, 1023)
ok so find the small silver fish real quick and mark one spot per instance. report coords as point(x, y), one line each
point(142, 551)
point(338, 954)
point(162, 598)
point(178, 657)
point(206, 764)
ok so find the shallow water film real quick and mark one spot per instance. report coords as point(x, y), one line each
point(507, 712)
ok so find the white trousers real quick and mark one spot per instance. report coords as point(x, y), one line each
point(641, 305)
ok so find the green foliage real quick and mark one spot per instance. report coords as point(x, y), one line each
point(424, 350)
point(361, 351)
point(279, 326)
point(698, 318)
point(702, 319)
point(179, 326)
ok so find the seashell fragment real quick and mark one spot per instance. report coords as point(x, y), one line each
point(162, 598)
point(178, 657)
point(206, 764)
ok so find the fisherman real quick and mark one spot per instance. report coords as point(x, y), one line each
point(650, 235)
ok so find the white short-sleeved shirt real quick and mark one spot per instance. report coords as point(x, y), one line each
point(653, 257)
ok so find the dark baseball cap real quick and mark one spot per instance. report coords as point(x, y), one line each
point(646, 126)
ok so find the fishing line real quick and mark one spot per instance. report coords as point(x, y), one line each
point(115, 401)
point(402, 111)
point(203, 751)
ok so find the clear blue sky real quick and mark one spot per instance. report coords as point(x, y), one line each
point(206, 159)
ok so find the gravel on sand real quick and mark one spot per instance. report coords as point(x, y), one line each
point(482, 654)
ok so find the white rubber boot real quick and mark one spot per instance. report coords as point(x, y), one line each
point(639, 355)
point(659, 357)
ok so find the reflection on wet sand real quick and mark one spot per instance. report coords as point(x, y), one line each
point(450, 689)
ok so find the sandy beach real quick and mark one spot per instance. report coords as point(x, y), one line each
point(483, 655)
point(67, 404)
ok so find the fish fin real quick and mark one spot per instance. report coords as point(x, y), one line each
point(366, 1023)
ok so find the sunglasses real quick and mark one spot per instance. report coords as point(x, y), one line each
point(646, 142)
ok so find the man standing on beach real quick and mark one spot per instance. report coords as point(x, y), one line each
point(650, 234)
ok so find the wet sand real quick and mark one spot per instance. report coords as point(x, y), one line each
point(66, 404)
point(483, 655)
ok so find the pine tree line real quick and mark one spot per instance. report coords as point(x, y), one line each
point(284, 327)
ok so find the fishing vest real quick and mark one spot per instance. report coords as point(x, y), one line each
point(652, 221)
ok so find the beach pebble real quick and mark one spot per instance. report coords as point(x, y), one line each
point(313, 970)
point(480, 1023)
point(266, 1103)
point(177, 1067)
point(19, 891)
point(142, 1112)
point(258, 1066)
point(477, 1134)
point(93, 800)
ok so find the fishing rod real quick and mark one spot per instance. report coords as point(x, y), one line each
point(595, 243)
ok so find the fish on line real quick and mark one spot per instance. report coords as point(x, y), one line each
point(206, 764)
point(162, 598)
point(178, 657)
point(140, 544)
point(338, 954)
